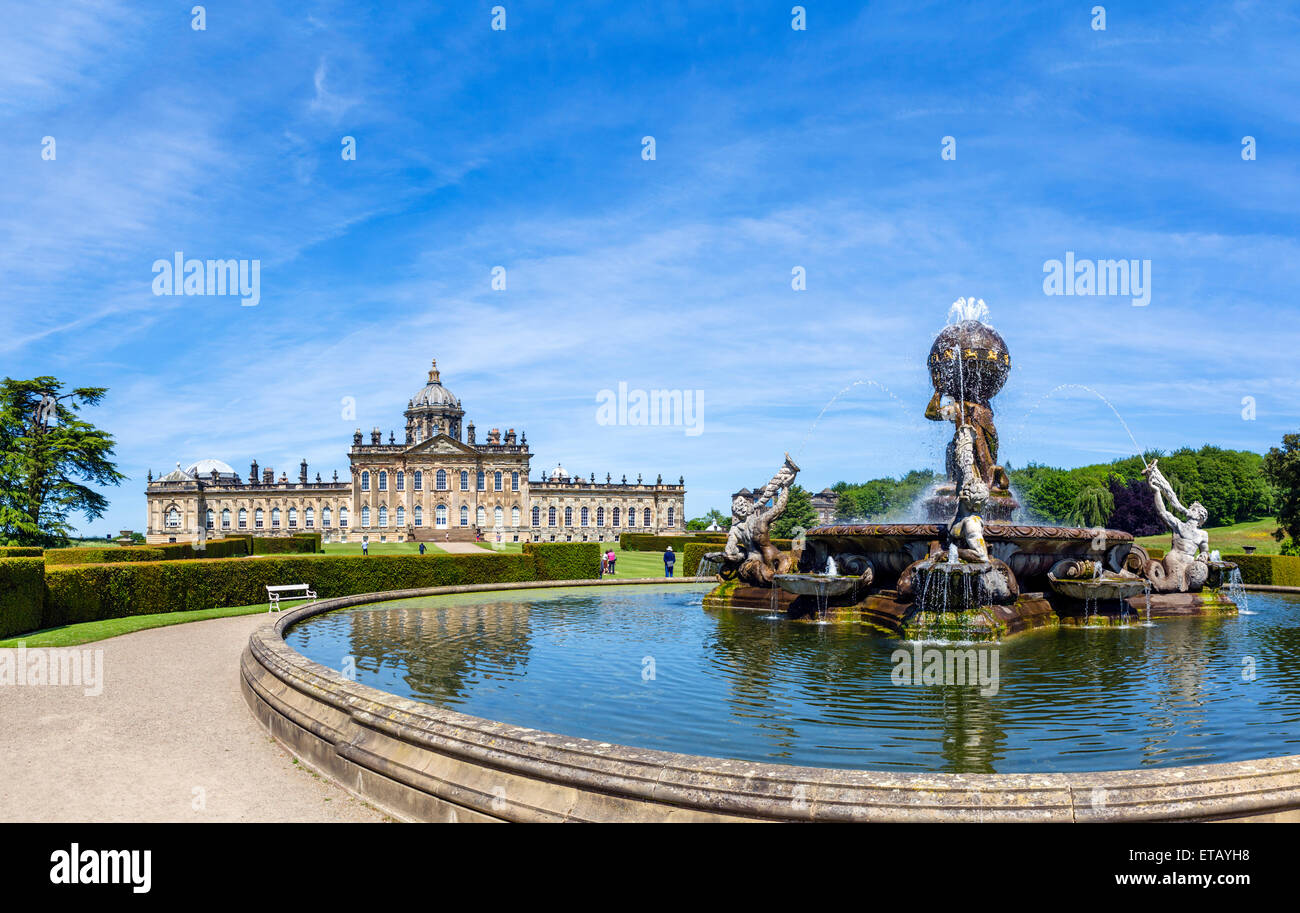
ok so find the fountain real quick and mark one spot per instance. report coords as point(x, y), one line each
point(968, 573)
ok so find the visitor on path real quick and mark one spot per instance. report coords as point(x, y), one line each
point(610, 558)
point(669, 560)
point(365, 545)
point(421, 548)
point(602, 565)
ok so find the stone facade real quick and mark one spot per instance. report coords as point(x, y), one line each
point(440, 483)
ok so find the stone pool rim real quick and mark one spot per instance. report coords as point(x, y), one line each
point(420, 762)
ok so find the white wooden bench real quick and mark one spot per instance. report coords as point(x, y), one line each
point(287, 591)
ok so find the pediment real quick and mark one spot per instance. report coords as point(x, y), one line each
point(442, 444)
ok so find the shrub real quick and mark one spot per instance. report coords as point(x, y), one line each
point(564, 560)
point(103, 555)
point(22, 595)
point(91, 592)
point(692, 554)
point(286, 545)
point(20, 551)
point(225, 548)
point(1267, 570)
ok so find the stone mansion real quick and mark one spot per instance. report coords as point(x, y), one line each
point(438, 484)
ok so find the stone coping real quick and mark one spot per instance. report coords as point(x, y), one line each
point(424, 763)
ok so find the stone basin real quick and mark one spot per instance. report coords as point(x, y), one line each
point(823, 585)
point(1100, 588)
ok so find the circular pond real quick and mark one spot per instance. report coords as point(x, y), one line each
point(647, 667)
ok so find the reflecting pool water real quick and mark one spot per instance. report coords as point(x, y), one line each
point(646, 666)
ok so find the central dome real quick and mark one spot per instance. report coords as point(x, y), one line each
point(434, 393)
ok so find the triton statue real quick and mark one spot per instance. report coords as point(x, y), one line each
point(1186, 566)
point(749, 553)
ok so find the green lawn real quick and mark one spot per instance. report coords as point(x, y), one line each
point(626, 564)
point(1230, 539)
point(70, 635)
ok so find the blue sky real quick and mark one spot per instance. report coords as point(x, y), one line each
point(775, 148)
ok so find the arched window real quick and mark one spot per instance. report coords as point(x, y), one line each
point(275, 517)
point(211, 519)
point(616, 516)
point(383, 480)
point(401, 480)
point(309, 518)
point(514, 516)
point(645, 517)
point(498, 517)
point(225, 518)
point(537, 516)
point(441, 480)
point(440, 516)
point(464, 480)
point(243, 518)
point(600, 516)
point(672, 515)
point(482, 480)
point(514, 481)
point(383, 516)
point(258, 518)
point(568, 516)
point(419, 515)
point(293, 516)
point(419, 480)
point(365, 481)
point(365, 515)
point(464, 515)
point(480, 516)
point(631, 516)
point(585, 516)
point(173, 518)
point(343, 516)
point(401, 516)
point(496, 480)
point(325, 516)
point(550, 517)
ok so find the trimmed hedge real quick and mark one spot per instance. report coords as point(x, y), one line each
point(564, 560)
point(1267, 570)
point(288, 545)
point(21, 551)
point(103, 555)
point(92, 592)
point(225, 548)
point(22, 595)
point(692, 554)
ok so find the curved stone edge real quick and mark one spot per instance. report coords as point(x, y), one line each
point(423, 763)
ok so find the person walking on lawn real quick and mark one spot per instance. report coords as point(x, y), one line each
point(669, 560)
point(610, 557)
point(365, 545)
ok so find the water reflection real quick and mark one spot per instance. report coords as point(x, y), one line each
point(648, 667)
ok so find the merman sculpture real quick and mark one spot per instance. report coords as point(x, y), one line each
point(749, 554)
point(1186, 566)
point(967, 528)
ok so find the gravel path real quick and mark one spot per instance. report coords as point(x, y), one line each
point(169, 739)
